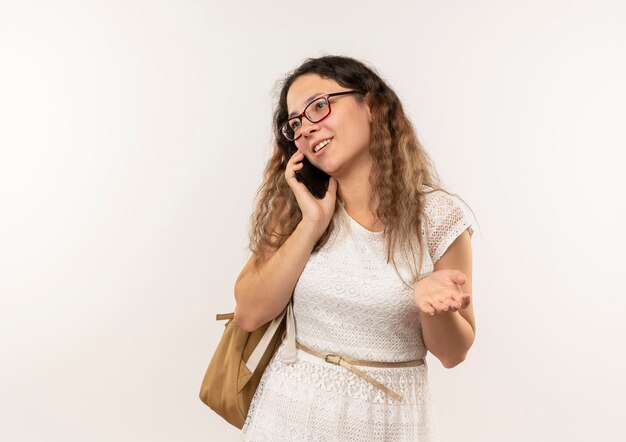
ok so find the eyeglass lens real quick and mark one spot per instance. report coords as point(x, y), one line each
point(314, 112)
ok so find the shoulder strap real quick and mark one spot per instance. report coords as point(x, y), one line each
point(254, 359)
point(289, 356)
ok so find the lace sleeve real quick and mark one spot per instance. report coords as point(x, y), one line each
point(447, 217)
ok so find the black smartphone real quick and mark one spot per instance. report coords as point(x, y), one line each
point(316, 180)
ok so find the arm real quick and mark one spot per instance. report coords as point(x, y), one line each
point(262, 293)
point(450, 335)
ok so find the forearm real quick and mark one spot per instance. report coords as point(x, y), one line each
point(261, 294)
point(447, 336)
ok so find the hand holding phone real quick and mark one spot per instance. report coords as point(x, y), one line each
point(317, 199)
point(315, 179)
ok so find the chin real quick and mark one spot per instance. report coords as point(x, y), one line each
point(329, 169)
point(333, 167)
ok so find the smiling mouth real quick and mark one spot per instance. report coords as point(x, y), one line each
point(321, 145)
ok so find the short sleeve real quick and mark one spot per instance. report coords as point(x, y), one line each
point(447, 217)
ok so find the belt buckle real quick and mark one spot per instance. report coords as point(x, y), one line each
point(333, 359)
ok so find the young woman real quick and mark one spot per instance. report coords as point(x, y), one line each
point(379, 268)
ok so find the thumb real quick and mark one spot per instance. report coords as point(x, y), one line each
point(332, 185)
point(459, 277)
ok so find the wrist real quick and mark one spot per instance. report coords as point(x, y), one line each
point(310, 230)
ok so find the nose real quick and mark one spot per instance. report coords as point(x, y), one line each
point(308, 128)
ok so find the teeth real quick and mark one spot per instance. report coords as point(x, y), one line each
point(322, 144)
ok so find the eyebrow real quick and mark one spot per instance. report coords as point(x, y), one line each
point(308, 100)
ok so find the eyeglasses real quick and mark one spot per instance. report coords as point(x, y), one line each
point(315, 112)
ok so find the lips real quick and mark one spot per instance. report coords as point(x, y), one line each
point(324, 144)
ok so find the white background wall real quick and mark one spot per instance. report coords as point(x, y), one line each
point(133, 135)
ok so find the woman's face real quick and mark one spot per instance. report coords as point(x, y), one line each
point(347, 127)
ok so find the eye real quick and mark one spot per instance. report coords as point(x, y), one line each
point(321, 104)
point(294, 124)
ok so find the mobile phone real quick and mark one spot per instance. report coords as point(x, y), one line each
point(316, 180)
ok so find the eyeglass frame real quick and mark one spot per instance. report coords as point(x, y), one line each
point(299, 117)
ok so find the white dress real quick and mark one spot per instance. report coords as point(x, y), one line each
point(350, 301)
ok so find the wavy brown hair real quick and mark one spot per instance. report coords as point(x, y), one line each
point(400, 168)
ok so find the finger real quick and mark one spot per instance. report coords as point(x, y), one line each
point(295, 158)
point(331, 191)
point(427, 308)
point(297, 154)
point(449, 297)
point(455, 303)
point(290, 175)
point(441, 307)
point(465, 300)
point(452, 303)
point(458, 295)
point(332, 185)
point(294, 163)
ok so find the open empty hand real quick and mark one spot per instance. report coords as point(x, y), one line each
point(441, 292)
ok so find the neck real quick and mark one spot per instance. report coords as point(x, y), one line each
point(354, 188)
